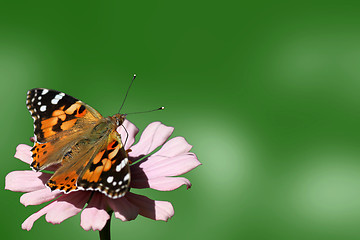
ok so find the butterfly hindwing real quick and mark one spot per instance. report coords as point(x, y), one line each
point(73, 163)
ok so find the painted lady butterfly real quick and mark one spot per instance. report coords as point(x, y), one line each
point(75, 136)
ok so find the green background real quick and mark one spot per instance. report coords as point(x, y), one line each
point(266, 92)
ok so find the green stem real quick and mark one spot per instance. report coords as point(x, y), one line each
point(105, 232)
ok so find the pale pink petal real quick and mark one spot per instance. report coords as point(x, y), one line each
point(157, 210)
point(94, 216)
point(154, 135)
point(161, 183)
point(158, 166)
point(23, 153)
point(123, 209)
point(156, 160)
point(26, 181)
point(130, 133)
point(67, 206)
point(39, 197)
point(28, 223)
point(62, 208)
point(174, 147)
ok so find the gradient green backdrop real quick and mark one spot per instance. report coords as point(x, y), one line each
point(266, 92)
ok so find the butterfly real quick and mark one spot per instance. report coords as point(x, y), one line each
point(86, 146)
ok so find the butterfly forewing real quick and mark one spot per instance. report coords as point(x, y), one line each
point(58, 121)
point(108, 171)
point(54, 112)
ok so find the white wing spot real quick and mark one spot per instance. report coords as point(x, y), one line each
point(121, 165)
point(114, 183)
point(39, 103)
point(110, 179)
point(43, 108)
point(120, 182)
point(39, 98)
point(118, 167)
point(55, 100)
point(127, 176)
point(57, 97)
point(45, 91)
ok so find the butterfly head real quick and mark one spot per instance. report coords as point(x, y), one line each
point(119, 118)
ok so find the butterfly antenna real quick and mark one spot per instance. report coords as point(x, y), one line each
point(127, 92)
point(127, 134)
point(157, 109)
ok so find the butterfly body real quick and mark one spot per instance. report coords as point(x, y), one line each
point(84, 145)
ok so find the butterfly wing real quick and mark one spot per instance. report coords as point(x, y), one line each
point(104, 169)
point(58, 121)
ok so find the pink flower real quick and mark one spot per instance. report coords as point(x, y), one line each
point(155, 171)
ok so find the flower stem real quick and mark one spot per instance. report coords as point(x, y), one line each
point(105, 232)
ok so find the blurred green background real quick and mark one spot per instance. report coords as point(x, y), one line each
point(266, 92)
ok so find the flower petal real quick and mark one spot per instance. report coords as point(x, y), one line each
point(26, 181)
point(124, 210)
point(39, 197)
point(157, 210)
point(28, 223)
point(154, 135)
point(159, 166)
point(62, 208)
point(94, 216)
point(129, 134)
point(174, 147)
point(66, 206)
point(23, 152)
point(161, 183)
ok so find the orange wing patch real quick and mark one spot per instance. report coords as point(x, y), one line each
point(68, 124)
point(93, 175)
point(40, 151)
point(77, 109)
point(102, 162)
point(98, 157)
point(59, 113)
point(65, 181)
point(61, 120)
point(47, 125)
point(50, 122)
